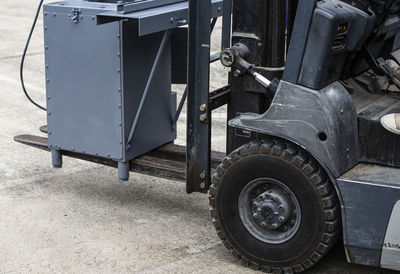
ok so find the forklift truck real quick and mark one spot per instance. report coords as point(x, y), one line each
point(307, 158)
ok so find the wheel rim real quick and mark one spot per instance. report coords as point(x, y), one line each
point(269, 210)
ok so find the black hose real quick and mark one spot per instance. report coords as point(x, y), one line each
point(21, 68)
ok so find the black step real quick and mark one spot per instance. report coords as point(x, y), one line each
point(376, 144)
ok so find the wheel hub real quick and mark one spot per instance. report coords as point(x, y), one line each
point(271, 209)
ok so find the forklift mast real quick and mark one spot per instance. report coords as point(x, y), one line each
point(262, 26)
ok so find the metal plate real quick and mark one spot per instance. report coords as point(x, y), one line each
point(160, 18)
point(82, 89)
point(369, 193)
point(136, 5)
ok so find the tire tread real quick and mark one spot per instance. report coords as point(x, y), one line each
point(323, 186)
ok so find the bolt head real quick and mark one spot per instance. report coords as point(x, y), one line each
point(202, 185)
point(237, 73)
point(203, 118)
point(227, 58)
point(203, 107)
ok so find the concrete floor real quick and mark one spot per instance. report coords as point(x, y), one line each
point(80, 218)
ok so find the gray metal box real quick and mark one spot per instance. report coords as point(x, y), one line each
point(95, 78)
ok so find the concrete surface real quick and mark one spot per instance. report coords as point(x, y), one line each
point(80, 218)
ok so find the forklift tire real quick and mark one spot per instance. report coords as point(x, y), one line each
point(274, 206)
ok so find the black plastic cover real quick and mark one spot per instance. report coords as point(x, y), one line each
point(337, 28)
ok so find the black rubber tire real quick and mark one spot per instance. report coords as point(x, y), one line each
point(288, 163)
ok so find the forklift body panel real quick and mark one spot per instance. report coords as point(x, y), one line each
point(322, 121)
point(370, 195)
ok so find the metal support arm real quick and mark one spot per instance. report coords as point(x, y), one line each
point(198, 114)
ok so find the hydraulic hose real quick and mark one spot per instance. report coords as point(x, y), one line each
point(21, 68)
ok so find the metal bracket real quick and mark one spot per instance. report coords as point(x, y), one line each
point(219, 97)
point(137, 5)
point(75, 15)
point(148, 84)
